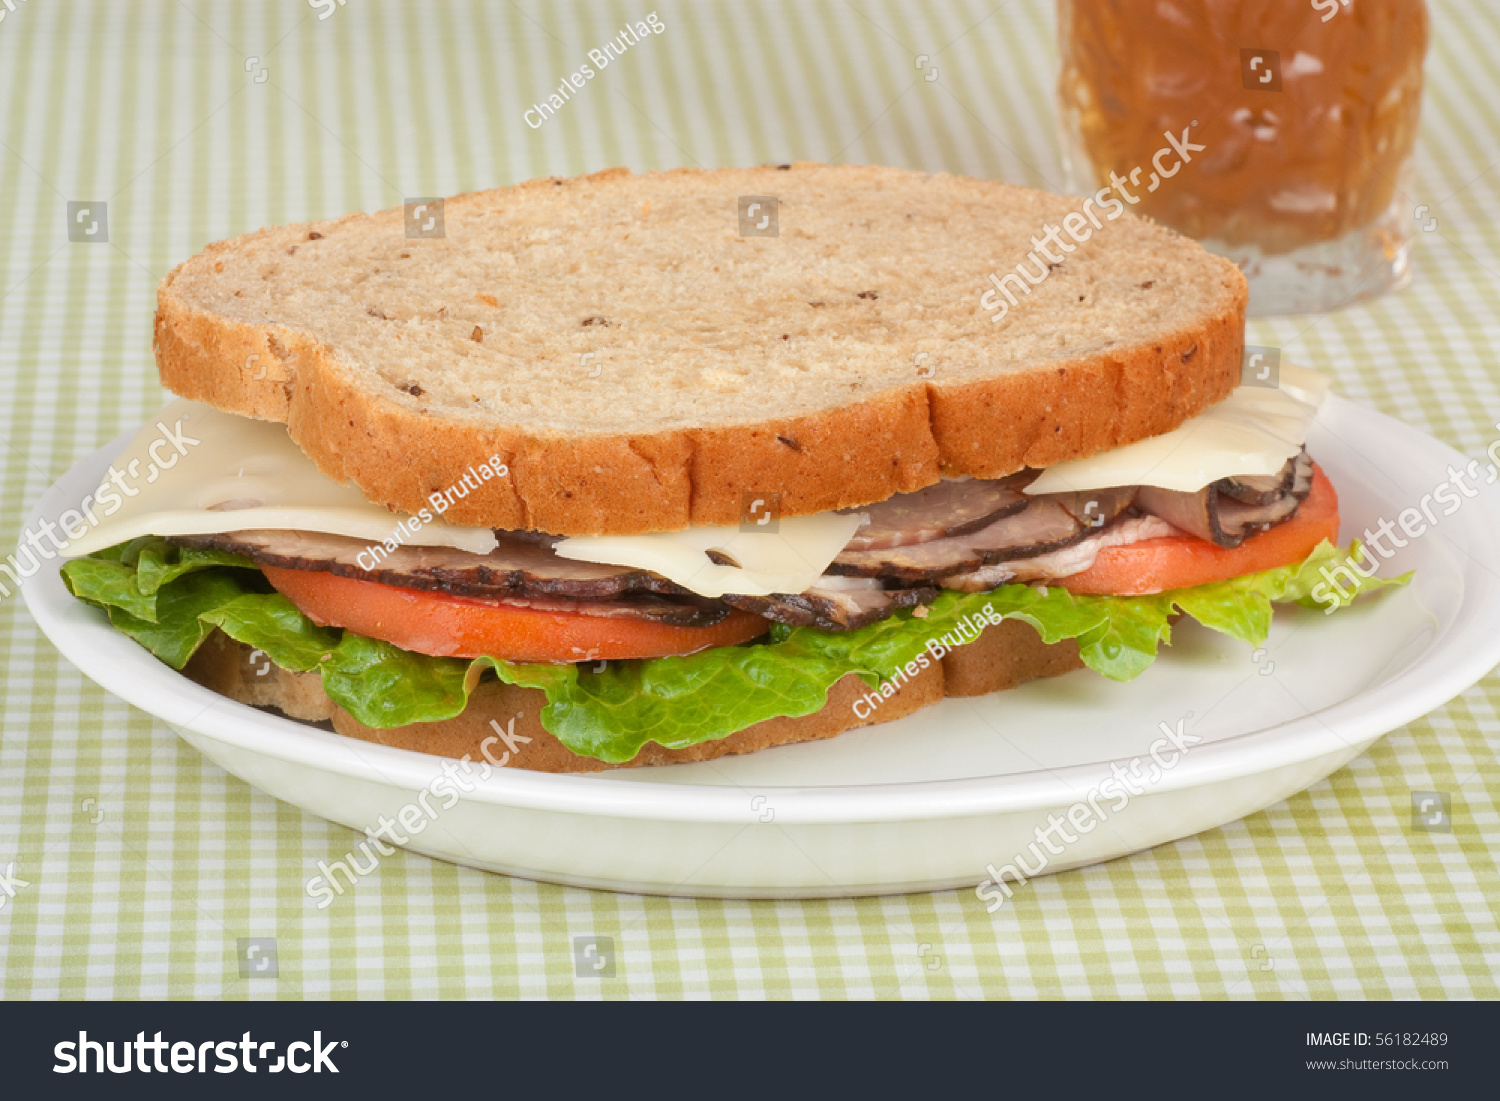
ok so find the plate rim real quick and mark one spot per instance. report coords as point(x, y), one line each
point(1460, 654)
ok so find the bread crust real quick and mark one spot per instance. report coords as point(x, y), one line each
point(1005, 655)
point(893, 441)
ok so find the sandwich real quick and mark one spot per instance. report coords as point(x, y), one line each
point(640, 469)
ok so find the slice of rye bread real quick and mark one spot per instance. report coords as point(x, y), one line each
point(640, 364)
point(1004, 656)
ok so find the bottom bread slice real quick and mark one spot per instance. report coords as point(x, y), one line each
point(1005, 655)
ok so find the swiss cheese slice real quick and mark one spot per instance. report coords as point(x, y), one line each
point(1253, 431)
point(775, 556)
point(194, 470)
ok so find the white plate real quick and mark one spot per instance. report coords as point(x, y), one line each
point(927, 802)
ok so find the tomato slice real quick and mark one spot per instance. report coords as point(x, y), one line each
point(1177, 561)
point(443, 625)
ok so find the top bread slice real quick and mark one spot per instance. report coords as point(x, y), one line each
point(641, 356)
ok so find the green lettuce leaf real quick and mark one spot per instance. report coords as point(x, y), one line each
point(169, 600)
point(159, 564)
point(129, 575)
point(379, 684)
point(109, 584)
point(1241, 607)
point(177, 625)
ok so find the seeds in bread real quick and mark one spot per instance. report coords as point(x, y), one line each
point(642, 365)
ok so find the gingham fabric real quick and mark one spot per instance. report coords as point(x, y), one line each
point(144, 866)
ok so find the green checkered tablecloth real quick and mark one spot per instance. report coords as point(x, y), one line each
point(143, 865)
